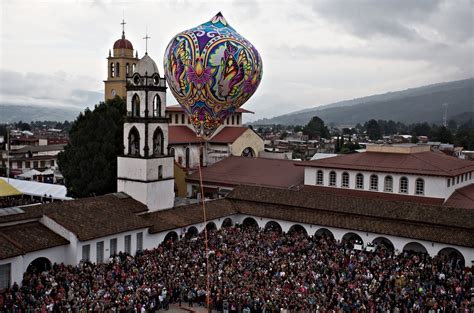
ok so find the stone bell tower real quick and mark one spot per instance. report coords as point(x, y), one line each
point(145, 171)
point(120, 64)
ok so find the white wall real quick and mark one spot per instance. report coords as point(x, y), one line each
point(120, 245)
point(157, 195)
point(435, 186)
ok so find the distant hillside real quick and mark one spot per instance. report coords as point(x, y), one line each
point(422, 104)
point(27, 113)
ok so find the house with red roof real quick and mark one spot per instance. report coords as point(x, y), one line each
point(231, 138)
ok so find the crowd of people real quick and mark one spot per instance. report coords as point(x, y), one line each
point(251, 270)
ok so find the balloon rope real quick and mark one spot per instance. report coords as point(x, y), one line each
point(208, 293)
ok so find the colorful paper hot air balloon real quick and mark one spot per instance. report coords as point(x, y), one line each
point(211, 70)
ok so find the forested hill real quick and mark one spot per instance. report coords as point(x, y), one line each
point(422, 104)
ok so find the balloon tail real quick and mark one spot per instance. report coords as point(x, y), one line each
point(208, 291)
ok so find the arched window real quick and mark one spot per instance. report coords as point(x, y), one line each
point(319, 178)
point(403, 185)
point(134, 142)
point(118, 69)
point(388, 184)
point(127, 69)
point(360, 181)
point(156, 106)
point(135, 105)
point(420, 187)
point(158, 142)
point(171, 152)
point(374, 182)
point(345, 180)
point(332, 178)
point(112, 70)
point(188, 157)
point(133, 68)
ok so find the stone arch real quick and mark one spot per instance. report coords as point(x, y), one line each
point(156, 106)
point(40, 264)
point(324, 232)
point(250, 222)
point(273, 226)
point(172, 236)
point(248, 152)
point(384, 242)
point(415, 247)
point(134, 142)
point(227, 222)
point(211, 226)
point(158, 142)
point(297, 228)
point(352, 237)
point(454, 256)
point(135, 105)
point(192, 232)
point(112, 69)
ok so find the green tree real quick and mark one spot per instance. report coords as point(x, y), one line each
point(465, 135)
point(316, 129)
point(298, 128)
point(441, 134)
point(23, 126)
point(373, 130)
point(89, 161)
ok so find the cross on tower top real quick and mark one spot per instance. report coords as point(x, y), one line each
point(146, 41)
point(123, 28)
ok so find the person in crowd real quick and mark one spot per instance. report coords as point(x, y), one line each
point(251, 270)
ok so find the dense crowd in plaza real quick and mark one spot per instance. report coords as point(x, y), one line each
point(252, 270)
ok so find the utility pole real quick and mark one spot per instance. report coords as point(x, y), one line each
point(8, 155)
point(445, 114)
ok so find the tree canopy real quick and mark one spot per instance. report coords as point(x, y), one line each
point(316, 129)
point(89, 161)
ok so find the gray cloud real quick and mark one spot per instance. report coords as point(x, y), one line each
point(314, 51)
point(403, 19)
point(53, 90)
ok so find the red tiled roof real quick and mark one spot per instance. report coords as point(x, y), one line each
point(398, 218)
point(178, 108)
point(374, 195)
point(228, 134)
point(186, 215)
point(462, 198)
point(183, 134)
point(234, 170)
point(114, 214)
point(424, 163)
point(27, 237)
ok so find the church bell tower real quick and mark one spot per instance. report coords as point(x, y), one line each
point(145, 171)
point(120, 64)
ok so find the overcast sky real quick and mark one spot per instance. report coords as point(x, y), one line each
point(314, 52)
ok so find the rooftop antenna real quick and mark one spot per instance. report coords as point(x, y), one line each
point(445, 114)
point(146, 40)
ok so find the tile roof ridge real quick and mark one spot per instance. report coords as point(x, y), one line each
point(414, 155)
point(461, 191)
point(13, 242)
